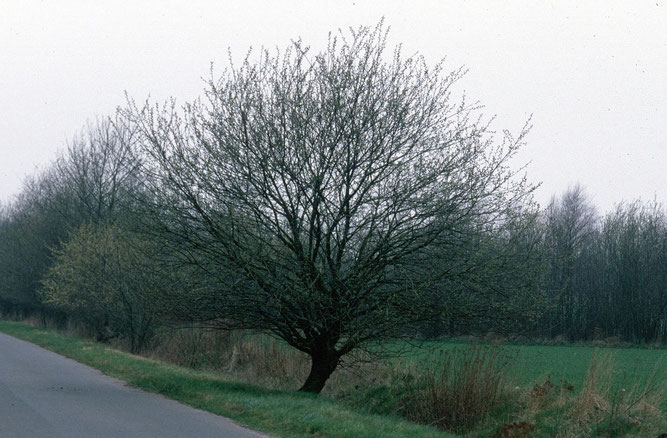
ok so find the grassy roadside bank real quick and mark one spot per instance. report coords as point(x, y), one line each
point(282, 413)
point(474, 389)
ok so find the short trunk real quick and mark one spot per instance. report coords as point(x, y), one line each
point(321, 368)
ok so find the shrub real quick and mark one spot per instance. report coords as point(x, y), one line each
point(104, 277)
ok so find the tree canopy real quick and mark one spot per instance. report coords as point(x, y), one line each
point(315, 186)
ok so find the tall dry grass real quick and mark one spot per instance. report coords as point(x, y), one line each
point(460, 388)
point(613, 407)
point(250, 357)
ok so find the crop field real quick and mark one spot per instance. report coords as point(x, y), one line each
point(560, 362)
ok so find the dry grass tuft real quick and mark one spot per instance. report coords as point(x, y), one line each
point(546, 394)
point(460, 389)
point(612, 407)
point(592, 399)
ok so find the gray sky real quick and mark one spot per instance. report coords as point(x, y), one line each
point(592, 73)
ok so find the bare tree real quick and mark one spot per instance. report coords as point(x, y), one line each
point(632, 302)
point(95, 173)
point(28, 228)
point(88, 182)
point(315, 187)
point(571, 222)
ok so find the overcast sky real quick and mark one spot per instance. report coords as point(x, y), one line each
point(592, 74)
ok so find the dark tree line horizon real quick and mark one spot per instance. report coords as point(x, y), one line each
point(332, 200)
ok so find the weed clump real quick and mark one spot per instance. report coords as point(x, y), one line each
point(459, 388)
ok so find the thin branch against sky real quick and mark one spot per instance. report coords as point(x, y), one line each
point(592, 74)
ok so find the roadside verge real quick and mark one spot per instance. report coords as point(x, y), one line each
point(281, 413)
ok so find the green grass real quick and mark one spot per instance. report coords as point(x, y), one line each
point(282, 413)
point(534, 365)
point(630, 368)
point(569, 363)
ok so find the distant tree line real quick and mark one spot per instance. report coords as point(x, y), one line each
point(65, 246)
point(331, 200)
point(606, 276)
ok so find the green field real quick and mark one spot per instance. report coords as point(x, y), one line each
point(367, 409)
point(569, 363)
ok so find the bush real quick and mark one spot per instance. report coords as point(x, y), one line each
point(103, 277)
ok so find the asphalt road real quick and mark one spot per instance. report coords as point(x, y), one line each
point(43, 394)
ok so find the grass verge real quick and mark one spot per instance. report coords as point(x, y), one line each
point(281, 413)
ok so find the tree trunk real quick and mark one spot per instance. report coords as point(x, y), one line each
point(322, 366)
